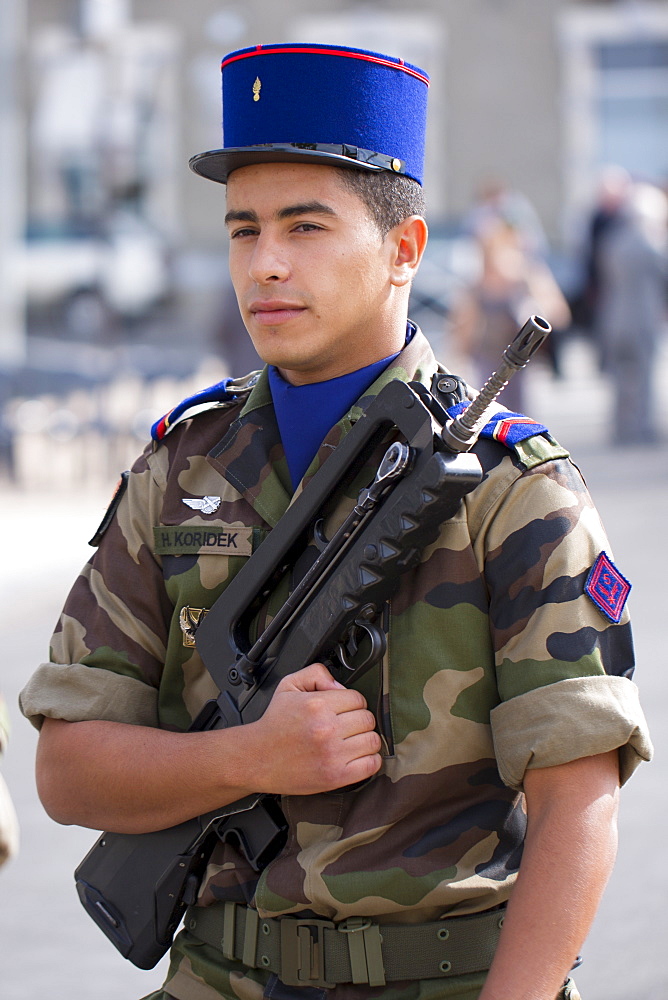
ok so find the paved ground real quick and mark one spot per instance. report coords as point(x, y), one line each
point(50, 948)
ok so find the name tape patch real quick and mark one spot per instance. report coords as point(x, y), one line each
point(607, 588)
point(200, 540)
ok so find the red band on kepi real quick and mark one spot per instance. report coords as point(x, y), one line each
point(333, 51)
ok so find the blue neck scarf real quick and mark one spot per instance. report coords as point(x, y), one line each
point(305, 413)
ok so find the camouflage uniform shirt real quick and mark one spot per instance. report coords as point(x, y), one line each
point(497, 661)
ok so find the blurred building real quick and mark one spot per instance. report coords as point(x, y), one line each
point(12, 204)
point(113, 254)
point(538, 93)
point(111, 97)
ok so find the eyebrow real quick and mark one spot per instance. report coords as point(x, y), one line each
point(306, 208)
point(289, 212)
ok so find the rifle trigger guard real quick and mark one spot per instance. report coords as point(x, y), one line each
point(350, 648)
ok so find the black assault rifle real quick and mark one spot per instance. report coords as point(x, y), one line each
point(137, 886)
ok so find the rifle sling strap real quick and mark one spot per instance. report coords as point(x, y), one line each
point(320, 953)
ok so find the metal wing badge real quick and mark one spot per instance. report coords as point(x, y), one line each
point(207, 505)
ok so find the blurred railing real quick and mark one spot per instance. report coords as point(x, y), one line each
point(84, 439)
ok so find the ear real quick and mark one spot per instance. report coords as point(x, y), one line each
point(408, 242)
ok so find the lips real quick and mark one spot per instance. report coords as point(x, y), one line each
point(273, 311)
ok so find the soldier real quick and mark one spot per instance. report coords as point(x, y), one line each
point(502, 719)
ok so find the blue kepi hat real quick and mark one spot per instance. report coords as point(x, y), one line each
point(319, 104)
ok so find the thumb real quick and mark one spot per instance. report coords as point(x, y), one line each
point(315, 677)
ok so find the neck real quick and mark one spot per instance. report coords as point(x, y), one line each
point(382, 346)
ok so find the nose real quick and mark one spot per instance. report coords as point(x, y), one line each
point(268, 263)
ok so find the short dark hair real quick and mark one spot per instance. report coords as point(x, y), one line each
point(389, 198)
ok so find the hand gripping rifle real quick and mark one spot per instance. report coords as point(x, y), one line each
point(137, 886)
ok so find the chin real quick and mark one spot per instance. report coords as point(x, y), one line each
point(272, 354)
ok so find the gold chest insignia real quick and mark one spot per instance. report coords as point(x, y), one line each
point(257, 87)
point(189, 619)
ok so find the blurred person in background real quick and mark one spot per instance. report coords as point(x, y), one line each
point(630, 309)
point(496, 200)
point(614, 188)
point(9, 828)
point(498, 206)
point(512, 284)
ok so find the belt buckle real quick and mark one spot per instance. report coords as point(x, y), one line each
point(303, 952)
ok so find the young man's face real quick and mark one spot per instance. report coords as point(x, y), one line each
point(316, 282)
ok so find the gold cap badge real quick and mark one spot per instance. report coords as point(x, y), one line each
point(257, 87)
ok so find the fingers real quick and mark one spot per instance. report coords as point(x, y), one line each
point(317, 677)
point(360, 769)
point(361, 748)
point(317, 735)
point(343, 745)
point(355, 722)
point(363, 759)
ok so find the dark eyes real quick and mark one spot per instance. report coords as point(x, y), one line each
point(300, 227)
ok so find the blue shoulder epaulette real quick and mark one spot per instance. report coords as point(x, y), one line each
point(505, 426)
point(201, 401)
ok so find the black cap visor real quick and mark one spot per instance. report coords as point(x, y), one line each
point(218, 164)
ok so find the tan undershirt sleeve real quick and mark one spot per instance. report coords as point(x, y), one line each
point(572, 718)
point(77, 693)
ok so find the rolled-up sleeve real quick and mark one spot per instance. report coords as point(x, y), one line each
point(77, 693)
point(574, 718)
point(108, 649)
point(563, 666)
